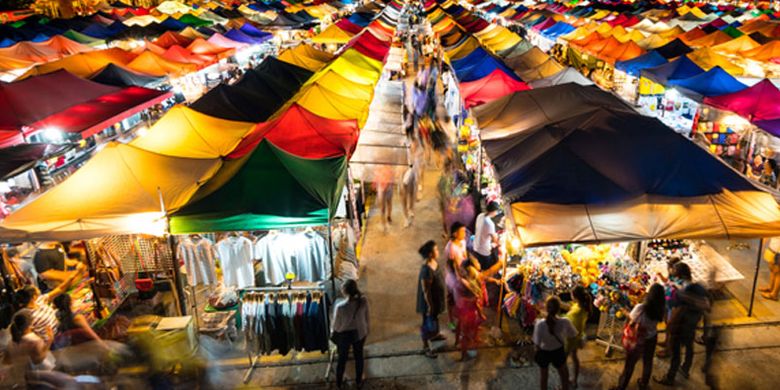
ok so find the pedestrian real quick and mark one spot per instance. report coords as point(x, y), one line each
point(670, 292)
point(693, 302)
point(350, 328)
point(647, 315)
point(578, 315)
point(384, 189)
point(469, 307)
point(430, 296)
point(549, 333)
point(485, 236)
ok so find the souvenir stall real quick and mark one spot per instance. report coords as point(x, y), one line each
point(553, 233)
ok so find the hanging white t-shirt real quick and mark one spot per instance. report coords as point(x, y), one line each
point(235, 254)
point(483, 238)
point(199, 259)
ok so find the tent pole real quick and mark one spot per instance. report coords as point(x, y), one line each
point(177, 277)
point(755, 277)
point(330, 253)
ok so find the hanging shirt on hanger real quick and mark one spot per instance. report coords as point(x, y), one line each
point(199, 259)
point(235, 254)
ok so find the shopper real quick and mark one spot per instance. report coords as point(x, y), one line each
point(350, 328)
point(430, 296)
point(693, 303)
point(549, 333)
point(469, 304)
point(485, 236)
point(670, 293)
point(578, 315)
point(647, 315)
point(772, 257)
point(44, 316)
point(73, 327)
point(26, 344)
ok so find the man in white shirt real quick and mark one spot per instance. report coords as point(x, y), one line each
point(485, 237)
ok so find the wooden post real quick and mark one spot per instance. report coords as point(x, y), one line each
point(755, 277)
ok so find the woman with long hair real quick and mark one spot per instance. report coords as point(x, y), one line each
point(25, 344)
point(647, 315)
point(350, 328)
point(549, 333)
point(578, 315)
point(469, 296)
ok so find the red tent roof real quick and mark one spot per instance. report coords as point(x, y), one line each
point(69, 103)
point(348, 26)
point(370, 46)
point(177, 53)
point(491, 87)
point(170, 38)
point(758, 102)
point(304, 134)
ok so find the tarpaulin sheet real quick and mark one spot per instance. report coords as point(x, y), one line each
point(489, 88)
point(184, 132)
point(119, 76)
point(266, 189)
point(568, 75)
point(113, 193)
point(306, 56)
point(714, 82)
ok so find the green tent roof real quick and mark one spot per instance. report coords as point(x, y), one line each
point(194, 21)
point(267, 189)
point(83, 38)
point(733, 32)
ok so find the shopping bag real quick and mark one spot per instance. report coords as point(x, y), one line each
point(632, 336)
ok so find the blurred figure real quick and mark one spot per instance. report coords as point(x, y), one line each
point(384, 195)
point(430, 296)
point(578, 315)
point(770, 254)
point(549, 333)
point(73, 328)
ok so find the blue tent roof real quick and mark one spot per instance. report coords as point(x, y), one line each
point(7, 42)
point(602, 155)
point(635, 65)
point(479, 64)
point(238, 36)
point(681, 68)
point(253, 31)
point(714, 82)
point(674, 48)
point(40, 38)
point(359, 19)
point(558, 29)
point(171, 23)
point(96, 30)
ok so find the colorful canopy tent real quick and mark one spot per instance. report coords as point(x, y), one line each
point(516, 50)
point(767, 52)
point(370, 46)
point(634, 66)
point(171, 38)
point(477, 65)
point(463, 48)
point(758, 102)
point(546, 69)
point(708, 59)
point(622, 52)
point(333, 34)
point(20, 158)
point(596, 176)
point(489, 88)
point(343, 86)
point(184, 132)
point(202, 46)
point(681, 68)
point(69, 104)
point(83, 38)
point(257, 95)
point(305, 191)
point(113, 193)
point(715, 38)
point(673, 49)
point(84, 64)
point(714, 82)
point(304, 134)
point(119, 76)
point(355, 67)
point(155, 65)
point(306, 57)
point(221, 41)
point(568, 75)
point(531, 59)
point(736, 46)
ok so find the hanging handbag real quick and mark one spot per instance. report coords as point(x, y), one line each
point(145, 284)
point(633, 336)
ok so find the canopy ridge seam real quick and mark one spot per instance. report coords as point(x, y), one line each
point(722, 222)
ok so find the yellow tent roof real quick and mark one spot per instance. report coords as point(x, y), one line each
point(580, 32)
point(118, 191)
point(714, 38)
point(192, 33)
point(306, 56)
point(155, 65)
point(653, 41)
point(633, 35)
point(488, 32)
point(184, 132)
point(708, 59)
point(465, 48)
point(765, 52)
point(672, 32)
point(355, 66)
point(737, 45)
point(605, 28)
point(333, 34)
point(546, 69)
point(600, 14)
point(328, 104)
point(502, 41)
point(343, 86)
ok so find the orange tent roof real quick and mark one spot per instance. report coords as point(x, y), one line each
point(714, 38)
point(170, 38)
point(599, 46)
point(737, 45)
point(66, 46)
point(694, 34)
point(766, 52)
point(583, 42)
point(84, 64)
point(202, 46)
point(29, 51)
point(624, 52)
point(155, 65)
point(177, 53)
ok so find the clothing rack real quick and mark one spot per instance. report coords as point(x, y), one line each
point(255, 357)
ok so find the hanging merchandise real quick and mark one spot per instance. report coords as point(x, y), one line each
point(304, 254)
point(235, 256)
point(198, 254)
